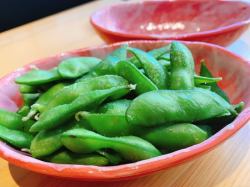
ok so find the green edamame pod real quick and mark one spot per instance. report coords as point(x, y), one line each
point(166, 65)
point(182, 67)
point(107, 124)
point(161, 53)
point(38, 77)
point(115, 107)
point(153, 69)
point(173, 106)
point(205, 80)
point(71, 92)
point(43, 100)
point(107, 66)
point(16, 138)
point(133, 75)
point(48, 141)
point(66, 157)
point(165, 57)
point(110, 121)
point(175, 137)
point(131, 148)
point(77, 66)
point(11, 120)
point(24, 110)
point(88, 100)
point(23, 88)
point(30, 98)
point(156, 53)
point(214, 87)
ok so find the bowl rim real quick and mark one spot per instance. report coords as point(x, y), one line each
point(125, 34)
point(130, 170)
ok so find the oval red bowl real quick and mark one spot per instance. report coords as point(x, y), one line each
point(236, 80)
point(218, 22)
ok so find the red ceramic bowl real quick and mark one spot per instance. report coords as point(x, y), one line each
point(236, 80)
point(213, 21)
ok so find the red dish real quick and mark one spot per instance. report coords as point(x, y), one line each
point(218, 22)
point(236, 80)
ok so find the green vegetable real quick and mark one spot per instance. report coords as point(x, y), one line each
point(182, 67)
point(77, 66)
point(173, 106)
point(131, 148)
point(16, 138)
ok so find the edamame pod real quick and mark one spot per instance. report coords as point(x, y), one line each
point(182, 67)
point(12, 120)
point(156, 53)
point(23, 88)
point(38, 77)
point(175, 137)
point(67, 157)
point(115, 107)
point(71, 92)
point(131, 148)
point(198, 80)
point(107, 66)
point(43, 101)
point(107, 124)
point(47, 142)
point(214, 87)
point(16, 138)
point(173, 106)
point(85, 101)
point(153, 69)
point(133, 75)
point(30, 98)
point(77, 66)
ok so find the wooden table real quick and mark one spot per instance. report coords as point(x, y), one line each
point(227, 165)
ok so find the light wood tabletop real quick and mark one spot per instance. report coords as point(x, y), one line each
point(227, 165)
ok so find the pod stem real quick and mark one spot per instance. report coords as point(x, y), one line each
point(132, 86)
point(80, 115)
point(29, 115)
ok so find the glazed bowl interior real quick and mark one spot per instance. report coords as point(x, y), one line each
point(168, 19)
point(234, 70)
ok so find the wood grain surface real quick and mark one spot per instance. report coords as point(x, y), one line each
point(227, 165)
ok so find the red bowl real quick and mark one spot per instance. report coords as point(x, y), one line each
point(236, 80)
point(218, 22)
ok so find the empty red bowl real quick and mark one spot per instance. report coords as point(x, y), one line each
point(236, 80)
point(219, 22)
